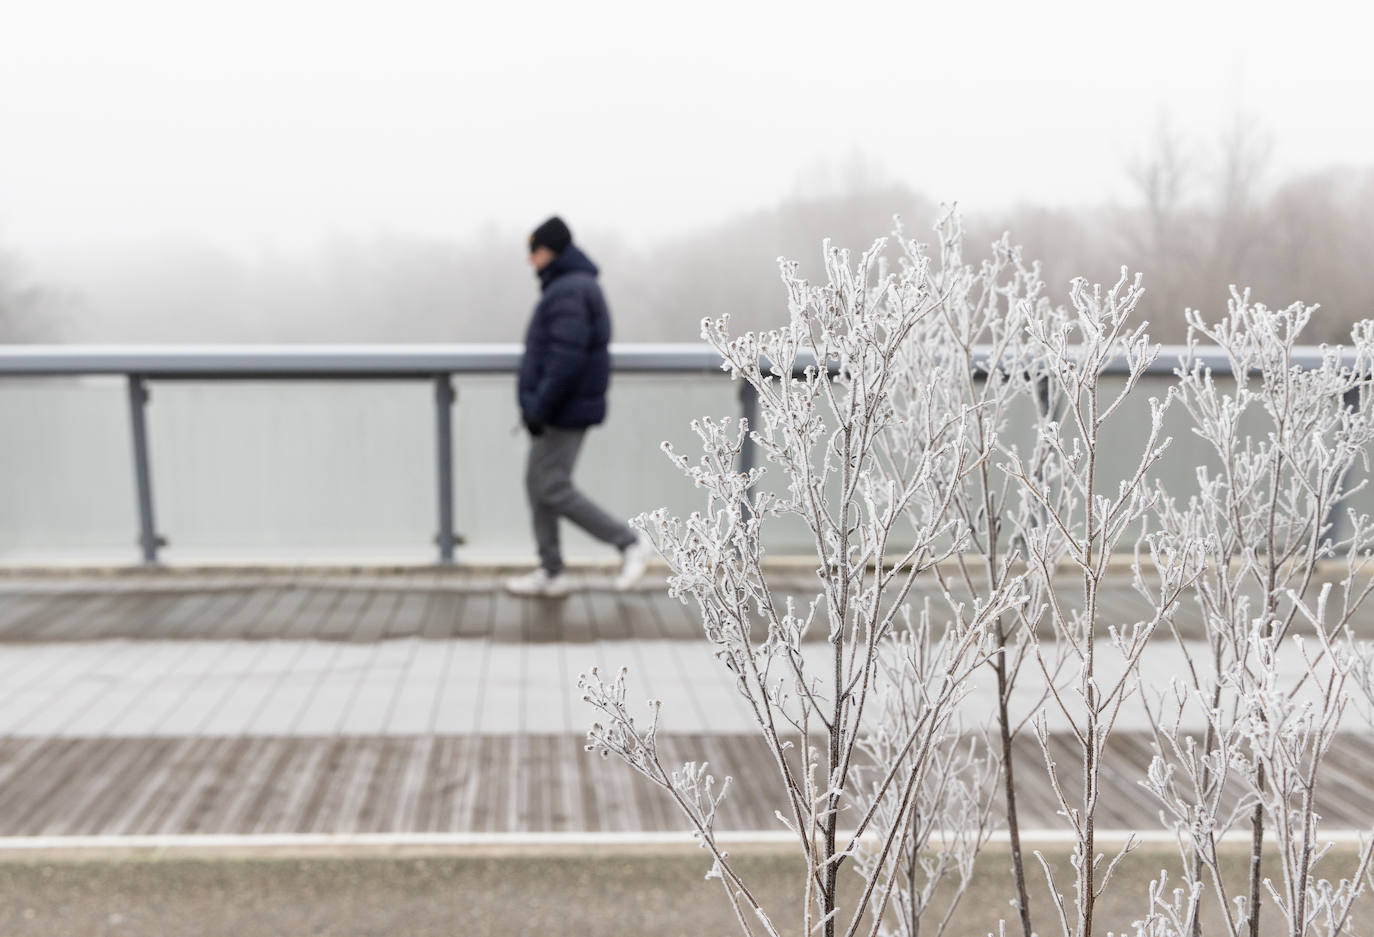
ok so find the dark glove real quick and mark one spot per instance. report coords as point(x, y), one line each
point(534, 426)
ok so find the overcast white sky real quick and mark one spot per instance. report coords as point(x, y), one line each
point(272, 125)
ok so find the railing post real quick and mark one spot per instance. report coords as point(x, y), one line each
point(443, 412)
point(143, 477)
point(1335, 512)
point(749, 411)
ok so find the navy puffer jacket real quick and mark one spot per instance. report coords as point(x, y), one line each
point(567, 363)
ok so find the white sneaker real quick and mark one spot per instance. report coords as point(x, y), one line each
point(539, 583)
point(634, 561)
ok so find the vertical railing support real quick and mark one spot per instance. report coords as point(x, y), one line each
point(143, 476)
point(748, 411)
point(1334, 522)
point(443, 413)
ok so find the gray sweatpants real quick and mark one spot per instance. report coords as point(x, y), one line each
point(548, 483)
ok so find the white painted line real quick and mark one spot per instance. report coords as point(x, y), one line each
point(401, 840)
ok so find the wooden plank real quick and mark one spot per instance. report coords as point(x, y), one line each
point(411, 615)
point(347, 785)
point(98, 763)
point(374, 621)
point(50, 761)
point(406, 814)
point(39, 616)
point(262, 766)
point(73, 762)
point(584, 764)
point(120, 780)
point(470, 787)
point(355, 782)
point(478, 619)
point(614, 783)
point(16, 755)
point(566, 784)
point(674, 620)
point(122, 602)
point(281, 619)
point(71, 622)
point(293, 787)
point(235, 623)
point(443, 616)
point(531, 781)
point(15, 607)
point(147, 802)
point(638, 617)
point(185, 619)
point(248, 774)
point(742, 757)
point(322, 800)
point(183, 805)
point(313, 613)
point(1344, 796)
point(222, 777)
point(607, 625)
point(495, 763)
point(343, 618)
point(1035, 801)
point(446, 781)
point(383, 791)
point(508, 615)
point(210, 619)
point(1122, 803)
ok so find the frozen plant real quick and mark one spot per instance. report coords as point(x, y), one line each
point(829, 421)
point(1085, 520)
point(1241, 736)
point(980, 341)
point(951, 816)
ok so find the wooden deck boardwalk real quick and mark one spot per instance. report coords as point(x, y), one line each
point(241, 703)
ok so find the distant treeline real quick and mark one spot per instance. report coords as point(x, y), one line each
point(1193, 228)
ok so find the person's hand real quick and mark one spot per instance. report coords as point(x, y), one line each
point(534, 426)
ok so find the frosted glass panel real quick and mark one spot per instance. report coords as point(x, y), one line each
point(66, 471)
point(317, 471)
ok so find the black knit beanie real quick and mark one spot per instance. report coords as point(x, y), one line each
point(553, 234)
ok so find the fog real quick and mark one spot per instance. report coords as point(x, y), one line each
point(325, 172)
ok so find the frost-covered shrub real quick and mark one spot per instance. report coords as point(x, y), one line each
point(941, 421)
point(1287, 442)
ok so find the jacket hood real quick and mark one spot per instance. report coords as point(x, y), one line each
point(569, 260)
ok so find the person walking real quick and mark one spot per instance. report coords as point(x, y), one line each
point(564, 374)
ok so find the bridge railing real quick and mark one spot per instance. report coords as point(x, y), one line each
point(439, 365)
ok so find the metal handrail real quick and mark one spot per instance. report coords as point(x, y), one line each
point(323, 362)
point(139, 364)
point(353, 362)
